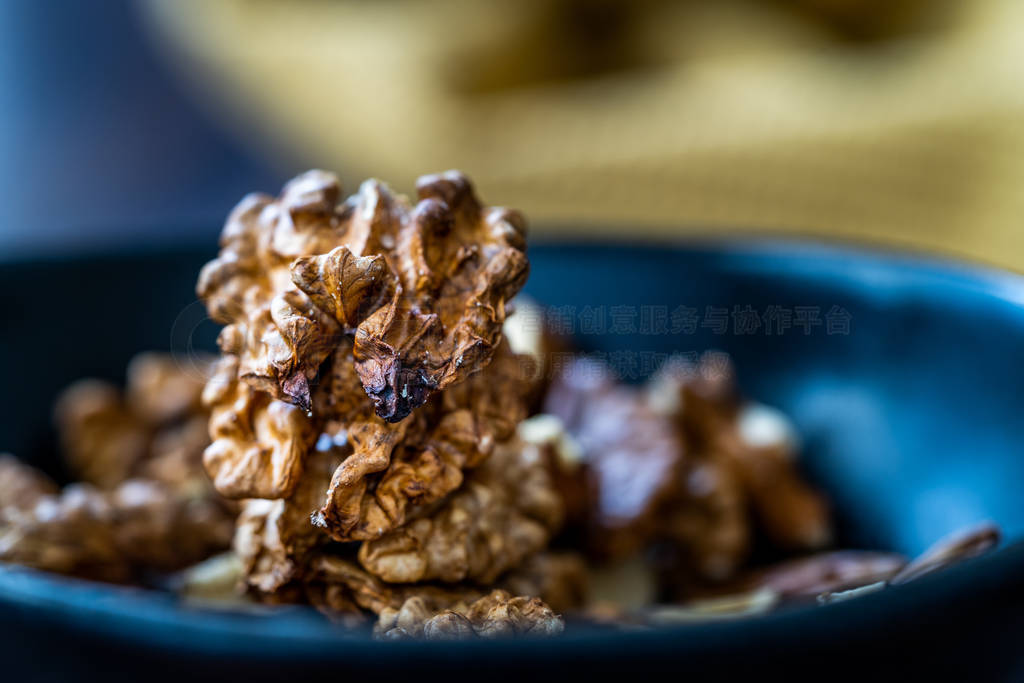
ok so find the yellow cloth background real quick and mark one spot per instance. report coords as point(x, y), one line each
point(746, 119)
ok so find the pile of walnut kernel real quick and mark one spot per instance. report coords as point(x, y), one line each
point(143, 504)
point(376, 448)
point(365, 405)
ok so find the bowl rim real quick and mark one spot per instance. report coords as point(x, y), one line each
point(151, 619)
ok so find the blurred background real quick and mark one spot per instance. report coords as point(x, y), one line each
point(894, 121)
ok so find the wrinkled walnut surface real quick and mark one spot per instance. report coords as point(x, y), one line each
point(146, 504)
point(110, 535)
point(496, 615)
point(343, 317)
point(422, 289)
point(258, 443)
point(504, 512)
point(275, 538)
point(393, 470)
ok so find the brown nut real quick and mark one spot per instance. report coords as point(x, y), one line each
point(394, 469)
point(155, 528)
point(506, 511)
point(248, 286)
point(275, 538)
point(161, 388)
point(791, 513)
point(709, 519)
point(751, 451)
point(156, 510)
point(495, 615)
point(101, 439)
point(632, 456)
point(21, 486)
point(336, 585)
point(258, 443)
point(112, 535)
point(155, 430)
point(456, 264)
point(423, 288)
point(699, 396)
point(560, 579)
point(71, 532)
point(358, 312)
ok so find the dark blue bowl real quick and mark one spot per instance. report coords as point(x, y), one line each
point(901, 373)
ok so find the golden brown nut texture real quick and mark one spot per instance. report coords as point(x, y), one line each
point(372, 324)
point(422, 289)
point(685, 460)
point(154, 429)
point(497, 614)
point(140, 525)
point(144, 503)
point(505, 512)
point(365, 392)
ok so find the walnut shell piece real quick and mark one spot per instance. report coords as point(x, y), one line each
point(161, 388)
point(960, 545)
point(836, 571)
